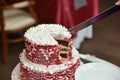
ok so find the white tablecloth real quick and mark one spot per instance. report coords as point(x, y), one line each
point(98, 69)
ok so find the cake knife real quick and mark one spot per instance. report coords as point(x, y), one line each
point(94, 19)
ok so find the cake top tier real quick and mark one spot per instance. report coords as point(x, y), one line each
point(45, 34)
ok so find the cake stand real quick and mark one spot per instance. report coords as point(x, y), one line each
point(16, 73)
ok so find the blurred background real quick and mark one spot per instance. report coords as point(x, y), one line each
point(105, 41)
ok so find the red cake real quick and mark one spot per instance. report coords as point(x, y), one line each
point(48, 54)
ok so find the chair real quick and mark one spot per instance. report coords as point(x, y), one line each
point(14, 20)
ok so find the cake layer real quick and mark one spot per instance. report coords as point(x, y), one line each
point(32, 71)
point(42, 54)
point(41, 43)
point(47, 33)
point(66, 74)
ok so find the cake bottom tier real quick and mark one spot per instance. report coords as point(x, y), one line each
point(33, 71)
point(66, 74)
point(15, 75)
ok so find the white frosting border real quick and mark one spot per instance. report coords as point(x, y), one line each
point(45, 34)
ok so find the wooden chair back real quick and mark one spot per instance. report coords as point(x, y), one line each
point(6, 34)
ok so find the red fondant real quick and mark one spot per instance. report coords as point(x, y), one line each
point(42, 54)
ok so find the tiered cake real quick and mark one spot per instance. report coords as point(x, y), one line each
point(48, 54)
